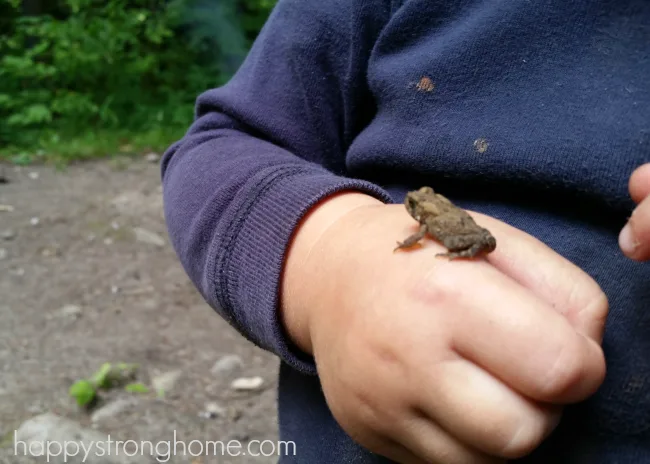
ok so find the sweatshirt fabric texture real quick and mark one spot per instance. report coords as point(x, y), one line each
point(535, 112)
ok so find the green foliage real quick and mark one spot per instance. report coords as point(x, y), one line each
point(86, 391)
point(136, 66)
point(137, 388)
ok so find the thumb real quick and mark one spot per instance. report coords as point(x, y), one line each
point(640, 183)
point(634, 239)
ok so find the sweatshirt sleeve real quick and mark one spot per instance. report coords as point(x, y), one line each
point(264, 149)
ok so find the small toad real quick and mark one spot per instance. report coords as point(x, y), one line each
point(447, 223)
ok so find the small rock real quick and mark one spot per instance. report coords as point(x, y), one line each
point(108, 241)
point(227, 363)
point(35, 408)
point(51, 251)
point(152, 157)
point(70, 310)
point(234, 414)
point(33, 175)
point(165, 382)
point(146, 236)
point(112, 409)
point(115, 289)
point(34, 435)
point(212, 410)
point(122, 201)
point(126, 202)
point(34, 221)
point(18, 272)
point(6, 208)
point(137, 204)
point(247, 383)
point(141, 290)
point(115, 225)
point(8, 234)
point(3, 253)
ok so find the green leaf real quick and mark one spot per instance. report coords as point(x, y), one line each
point(32, 114)
point(83, 391)
point(126, 370)
point(137, 388)
point(101, 377)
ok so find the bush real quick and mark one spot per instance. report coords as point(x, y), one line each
point(78, 66)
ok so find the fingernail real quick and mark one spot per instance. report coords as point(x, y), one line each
point(627, 241)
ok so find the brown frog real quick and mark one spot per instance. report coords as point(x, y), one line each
point(450, 225)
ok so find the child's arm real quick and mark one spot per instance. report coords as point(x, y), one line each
point(416, 364)
point(264, 149)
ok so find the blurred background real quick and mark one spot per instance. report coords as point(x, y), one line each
point(80, 78)
point(101, 333)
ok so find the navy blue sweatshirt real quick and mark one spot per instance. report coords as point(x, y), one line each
point(535, 112)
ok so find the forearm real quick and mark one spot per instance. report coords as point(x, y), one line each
point(300, 279)
point(263, 151)
point(231, 225)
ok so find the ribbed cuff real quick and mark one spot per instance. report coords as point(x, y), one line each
point(248, 268)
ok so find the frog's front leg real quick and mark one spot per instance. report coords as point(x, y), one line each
point(413, 239)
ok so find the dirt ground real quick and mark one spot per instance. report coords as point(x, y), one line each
point(87, 276)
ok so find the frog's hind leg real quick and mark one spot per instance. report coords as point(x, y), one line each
point(470, 252)
point(413, 239)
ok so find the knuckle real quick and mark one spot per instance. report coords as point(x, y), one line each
point(355, 425)
point(597, 307)
point(372, 414)
point(436, 286)
point(524, 437)
point(588, 305)
point(586, 294)
point(566, 370)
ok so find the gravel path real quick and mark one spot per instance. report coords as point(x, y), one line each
point(87, 276)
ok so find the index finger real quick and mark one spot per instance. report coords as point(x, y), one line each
point(551, 277)
point(518, 338)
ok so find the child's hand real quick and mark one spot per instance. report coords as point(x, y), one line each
point(425, 360)
point(635, 236)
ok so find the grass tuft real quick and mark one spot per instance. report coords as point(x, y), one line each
point(67, 147)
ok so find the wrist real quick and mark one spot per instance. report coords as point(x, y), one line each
point(302, 283)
